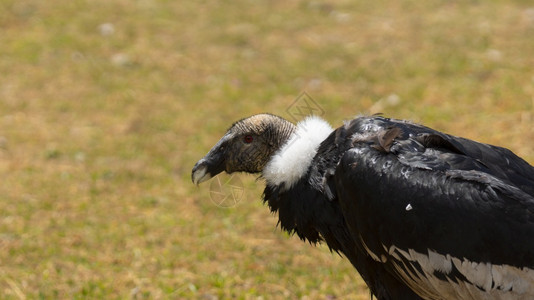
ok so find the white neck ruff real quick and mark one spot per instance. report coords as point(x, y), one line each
point(293, 159)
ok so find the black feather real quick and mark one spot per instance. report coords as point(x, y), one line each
point(466, 199)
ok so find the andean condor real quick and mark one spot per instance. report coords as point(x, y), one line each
point(419, 213)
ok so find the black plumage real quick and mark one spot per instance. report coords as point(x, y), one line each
point(419, 213)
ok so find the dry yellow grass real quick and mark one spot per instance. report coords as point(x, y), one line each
point(106, 105)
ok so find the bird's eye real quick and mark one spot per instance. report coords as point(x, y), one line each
point(248, 139)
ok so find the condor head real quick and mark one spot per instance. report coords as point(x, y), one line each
point(246, 147)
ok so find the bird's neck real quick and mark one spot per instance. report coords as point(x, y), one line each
point(292, 160)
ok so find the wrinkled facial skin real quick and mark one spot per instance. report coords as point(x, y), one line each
point(248, 152)
point(246, 147)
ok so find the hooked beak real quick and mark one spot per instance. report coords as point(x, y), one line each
point(200, 172)
point(209, 166)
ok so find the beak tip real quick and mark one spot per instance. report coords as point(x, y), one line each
point(200, 173)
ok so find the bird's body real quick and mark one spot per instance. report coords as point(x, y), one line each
point(419, 213)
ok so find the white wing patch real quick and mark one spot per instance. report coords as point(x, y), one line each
point(292, 161)
point(484, 280)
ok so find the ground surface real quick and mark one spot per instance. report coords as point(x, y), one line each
point(106, 105)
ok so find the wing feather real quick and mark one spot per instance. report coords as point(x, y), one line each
point(469, 216)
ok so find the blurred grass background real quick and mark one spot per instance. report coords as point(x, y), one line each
point(106, 105)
